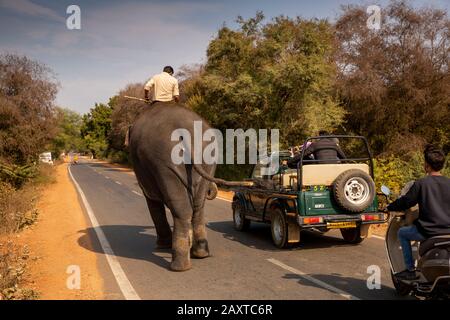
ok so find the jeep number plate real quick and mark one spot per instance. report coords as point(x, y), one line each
point(341, 225)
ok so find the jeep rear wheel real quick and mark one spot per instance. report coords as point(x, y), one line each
point(354, 190)
point(241, 223)
point(279, 228)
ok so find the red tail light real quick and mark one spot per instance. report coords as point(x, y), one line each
point(370, 217)
point(312, 220)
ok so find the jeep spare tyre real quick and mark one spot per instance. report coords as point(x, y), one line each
point(354, 190)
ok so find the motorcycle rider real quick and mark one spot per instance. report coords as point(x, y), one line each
point(432, 194)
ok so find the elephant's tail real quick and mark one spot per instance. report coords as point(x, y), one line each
point(218, 181)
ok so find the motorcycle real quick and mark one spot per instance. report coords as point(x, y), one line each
point(432, 256)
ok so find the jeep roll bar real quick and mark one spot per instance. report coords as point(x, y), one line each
point(301, 162)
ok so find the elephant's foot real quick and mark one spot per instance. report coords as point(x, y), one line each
point(200, 249)
point(164, 243)
point(180, 263)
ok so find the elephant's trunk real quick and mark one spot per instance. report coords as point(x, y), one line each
point(220, 182)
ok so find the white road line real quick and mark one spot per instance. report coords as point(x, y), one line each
point(313, 280)
point(118, 182)
point(124, 284)
point(138, 193)
point(378, 237)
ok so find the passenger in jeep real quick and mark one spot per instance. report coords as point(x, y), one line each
point(321, 149)
point(432, 193)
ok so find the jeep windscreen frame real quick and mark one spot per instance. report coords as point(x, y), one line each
point(300, 164)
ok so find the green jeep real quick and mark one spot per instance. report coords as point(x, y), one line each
point(318, 195)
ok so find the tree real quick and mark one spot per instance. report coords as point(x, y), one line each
point(68, 137)
point(27, 118)
point(124, 113)
point(395, 82)
point(96, 128)
point(274, 75)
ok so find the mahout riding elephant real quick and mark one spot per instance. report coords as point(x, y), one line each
point(181, 187)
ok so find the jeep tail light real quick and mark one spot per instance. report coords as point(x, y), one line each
point(370, 217)
point(312, 220)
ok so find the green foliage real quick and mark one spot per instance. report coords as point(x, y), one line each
point(274, 75)
point(236, 172)
point(68, 137)
point(96, 128)
point(119, 156)
point(446, 170)
point(395, 172)
point(17, 175)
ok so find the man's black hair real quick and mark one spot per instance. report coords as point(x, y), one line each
point(434, 157)
point(324, 133)
point(168, 69)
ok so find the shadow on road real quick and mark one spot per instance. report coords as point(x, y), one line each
point(357, 287)
point(134, 242)
point(259, 237)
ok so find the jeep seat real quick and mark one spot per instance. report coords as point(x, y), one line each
point(325, 174)
point(321, 174)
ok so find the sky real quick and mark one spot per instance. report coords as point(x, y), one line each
point(122, 42)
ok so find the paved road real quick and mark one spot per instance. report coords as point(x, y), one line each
point(242, 266)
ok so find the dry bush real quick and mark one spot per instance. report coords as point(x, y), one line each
point(124, 114)
point(17, 207)
point(12, 268)
point(17, 211)
point(395, 82)
point(27, 118)
point(46, 174)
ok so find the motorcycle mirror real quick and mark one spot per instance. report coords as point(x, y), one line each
point(386, 191)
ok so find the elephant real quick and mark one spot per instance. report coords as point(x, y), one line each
point(181, 187)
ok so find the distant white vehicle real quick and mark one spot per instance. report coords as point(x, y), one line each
point(46, 157)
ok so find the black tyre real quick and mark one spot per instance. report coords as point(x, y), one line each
point(352, 235)
point(240, 222)
point(212, 191)
point(354, 190)
point(402, 288)
point(279, 228)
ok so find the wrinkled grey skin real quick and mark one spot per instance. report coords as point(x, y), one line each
point(180, 187)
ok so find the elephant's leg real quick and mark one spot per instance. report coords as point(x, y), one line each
point(181, 244)
point(163, 232)
point(200, 244)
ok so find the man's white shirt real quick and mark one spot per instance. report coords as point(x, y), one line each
point(163, 86)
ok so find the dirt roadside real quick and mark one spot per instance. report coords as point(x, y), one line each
point(55, 253)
